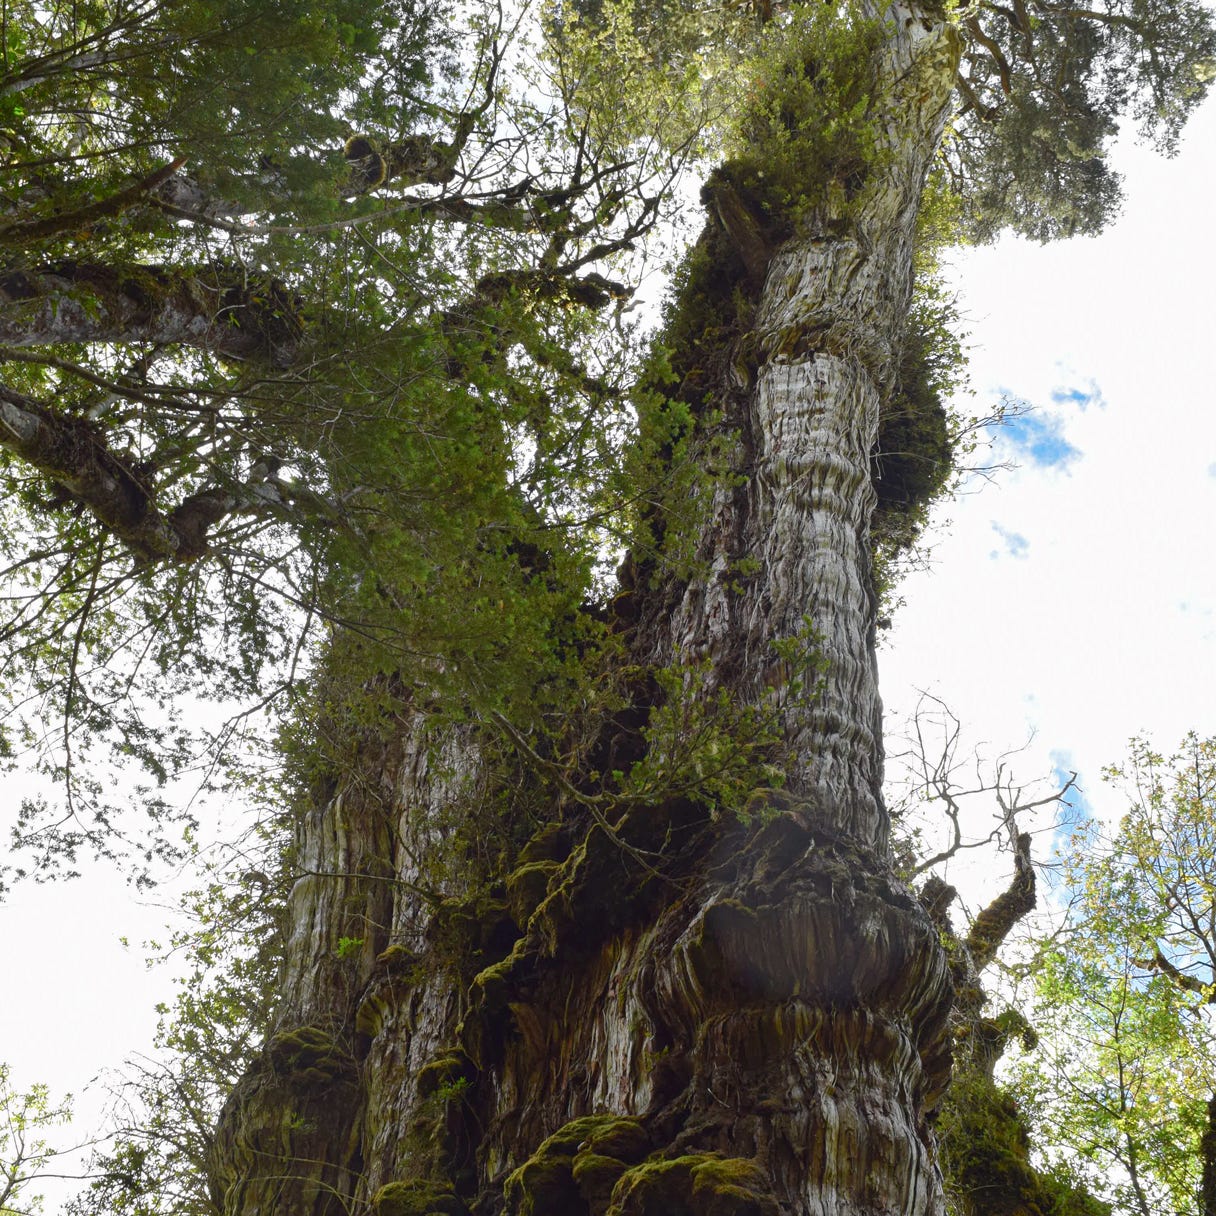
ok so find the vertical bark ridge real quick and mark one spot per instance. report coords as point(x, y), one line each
point(827, 326)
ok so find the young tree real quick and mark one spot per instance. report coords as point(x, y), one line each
point(1125, 1077)
point(590, 906)
point(26, 1154)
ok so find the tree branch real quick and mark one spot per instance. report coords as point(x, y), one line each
point(74, 455)
point(82, 217)
point(974, 28)
point(992, 926)
point(221, 309)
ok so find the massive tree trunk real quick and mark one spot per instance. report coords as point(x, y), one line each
point(659, 1011)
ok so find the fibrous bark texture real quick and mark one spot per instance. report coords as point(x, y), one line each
point(665, 1012)
point(221, 310)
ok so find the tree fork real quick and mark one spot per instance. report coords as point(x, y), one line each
point(717, 1020)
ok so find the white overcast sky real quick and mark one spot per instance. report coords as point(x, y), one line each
point(1074, 599)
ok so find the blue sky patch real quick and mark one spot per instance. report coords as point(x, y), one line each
point(1016, 545)
point(1076, 396)
point(1074, 812)
point(1039, 439)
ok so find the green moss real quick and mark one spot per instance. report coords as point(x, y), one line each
point(483, 1030)
point(444, 1072)
point(527, 887)
point(396, 970)
point(985, 1153)
point(595, 1175)
point(699, 1184)
point(397, 960)
point(369, 1016)
point(441, 1135)
point(304, 1044)
point(623, 1138)
point(307, 1056)
point(419, 1198)
point(545, 845)
point(491, 987)
point(573, 1171)
point(615, 1135)
point(595, 1166)
point(544, 1184)
point(479, 924)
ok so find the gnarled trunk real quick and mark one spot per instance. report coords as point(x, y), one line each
point(663, 1013)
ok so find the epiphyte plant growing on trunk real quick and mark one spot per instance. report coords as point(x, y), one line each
point(347, 362)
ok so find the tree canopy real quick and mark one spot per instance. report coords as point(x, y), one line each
point(293, 342)
point(322, 391)
point(309, 322)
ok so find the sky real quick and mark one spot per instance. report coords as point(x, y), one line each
point(1070, 602)
point(1067, 603)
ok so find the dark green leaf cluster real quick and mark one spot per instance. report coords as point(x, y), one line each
point(286, 414)
point(913, 465)
point(1043, 89)
point(806, 136)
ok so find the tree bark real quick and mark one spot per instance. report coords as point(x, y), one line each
point(664, 1013)
point(219, 310)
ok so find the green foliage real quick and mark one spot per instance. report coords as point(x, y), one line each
point(804, 134)
point(644, 70)
point(164, 1105)
point(985, 1147)
point(100, 96)
point(703, 744)
point(25, 1151)
point(914, 464)
point(1128, 1062)
point(105, 91)
point(418, 490)
point(1043, 89)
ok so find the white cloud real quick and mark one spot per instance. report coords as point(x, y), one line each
point(1105, 626)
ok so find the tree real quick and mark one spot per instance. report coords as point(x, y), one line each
point(590, 905)
point(24, 1150)
point(1126, 1076)
point(983, 1132)
point(195, 361)
point(163, 1104)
